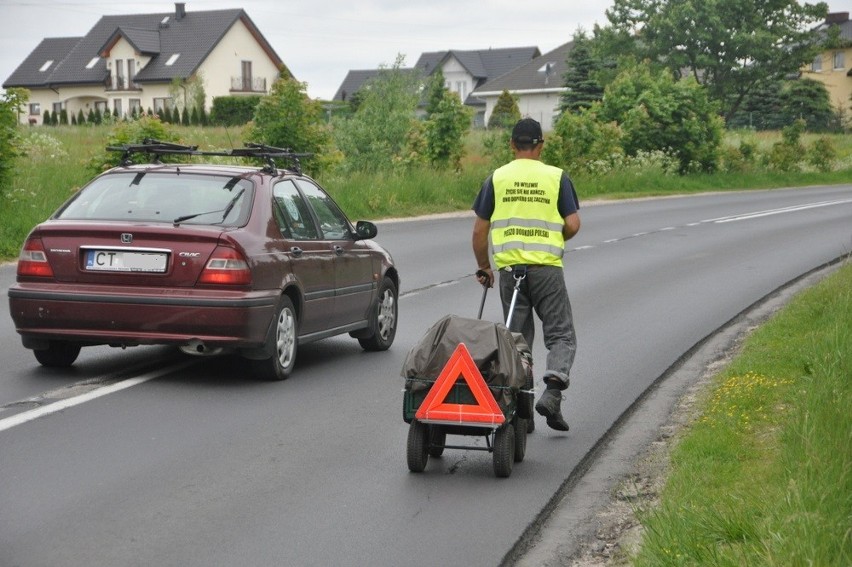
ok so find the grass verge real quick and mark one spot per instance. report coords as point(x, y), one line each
point(56, 165)
point(764, 476)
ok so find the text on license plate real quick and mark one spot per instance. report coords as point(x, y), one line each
point(125, 261)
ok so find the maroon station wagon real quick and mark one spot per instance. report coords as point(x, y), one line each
point(210, 258)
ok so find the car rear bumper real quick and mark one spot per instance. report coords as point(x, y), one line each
point(147, 316)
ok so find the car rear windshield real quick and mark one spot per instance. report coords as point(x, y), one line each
point(163, 197)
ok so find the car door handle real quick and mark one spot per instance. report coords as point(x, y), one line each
point(338, 250)
point(296, 251)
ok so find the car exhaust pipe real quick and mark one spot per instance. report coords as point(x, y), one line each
point(197, 347)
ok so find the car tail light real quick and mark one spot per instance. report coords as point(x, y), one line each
point(226, 266)
point(33, 260)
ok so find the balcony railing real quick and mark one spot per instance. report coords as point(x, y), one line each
point(248, 85)
point(122, 84)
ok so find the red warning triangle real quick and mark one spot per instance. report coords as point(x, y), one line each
point(435, 408)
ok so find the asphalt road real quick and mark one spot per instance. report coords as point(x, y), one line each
point(156, 459)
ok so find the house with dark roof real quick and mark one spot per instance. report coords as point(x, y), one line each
point(833, 66)
point(131, 62)
point(537, 86)
point(463, 72)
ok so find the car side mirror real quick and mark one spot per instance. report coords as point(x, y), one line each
point(365, 230)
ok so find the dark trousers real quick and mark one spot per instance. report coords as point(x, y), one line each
point(543, 291)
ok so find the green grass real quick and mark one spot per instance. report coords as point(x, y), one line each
point(56, 160)
point(764, 476)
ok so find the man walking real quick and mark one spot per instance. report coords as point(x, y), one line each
point(528, 210)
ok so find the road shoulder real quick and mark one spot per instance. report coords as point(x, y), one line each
point(591, 521)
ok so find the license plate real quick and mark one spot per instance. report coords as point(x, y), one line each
point(125, 261)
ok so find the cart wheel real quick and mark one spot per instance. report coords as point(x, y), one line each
point(417, 452)
point(520, 439)
point(437, 440)
point(504, 450)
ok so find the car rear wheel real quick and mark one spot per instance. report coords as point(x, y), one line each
point(58, 354)
point(383, 319)
point(284, 333)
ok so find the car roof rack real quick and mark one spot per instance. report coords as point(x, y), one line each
point(157, 149)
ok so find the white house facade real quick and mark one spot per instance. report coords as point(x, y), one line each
point(130, 63)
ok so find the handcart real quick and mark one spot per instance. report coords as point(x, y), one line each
point(469, 377)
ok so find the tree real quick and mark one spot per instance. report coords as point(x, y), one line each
point(656, 112)
point(288, 118)
point(436, 90)
point(10, 103)
point(579, 78)
point(729, 46)
point(375, 137)
point(506, 112)
point(808, 100)
point(445, 131)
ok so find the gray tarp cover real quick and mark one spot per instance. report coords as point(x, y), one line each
point(496, 351)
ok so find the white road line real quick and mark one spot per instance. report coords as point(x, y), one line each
point(795, 208)
point(60, 405)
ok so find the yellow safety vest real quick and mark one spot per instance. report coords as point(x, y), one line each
point(526, 227)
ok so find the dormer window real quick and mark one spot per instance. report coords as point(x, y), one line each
point(164, 21)
point(46, 65)
point(93, 62)
point(172, 59)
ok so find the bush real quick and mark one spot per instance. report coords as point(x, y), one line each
point(233, 110)
point(822, 154)
point(786, 154)
point(133, 132)
point(580, 140)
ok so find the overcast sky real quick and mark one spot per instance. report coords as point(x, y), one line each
point(320, 40)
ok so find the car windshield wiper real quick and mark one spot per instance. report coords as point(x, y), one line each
point(224, 211)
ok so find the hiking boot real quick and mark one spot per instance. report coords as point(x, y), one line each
point(548, 405)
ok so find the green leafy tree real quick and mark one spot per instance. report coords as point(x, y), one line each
point(730, 46)
point(288, 118)
point(375, 137)
point(506, 112)
point(436, 90)
point(656, 112)
point(581, 68)
point(10, 103)
point(445, 131)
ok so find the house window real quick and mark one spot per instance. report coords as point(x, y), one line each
point(839, 61)
point(116, 108)
point(93, 62)
point(816, 66)
point(247, 78)
point(135, 105)
point(119, 74)
point(161, 104)
point(172, 59)
point(57, 108)
point(131, 71)
point(101, 106)
point(35, 109)
point(460, 87)
point(46, 65)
